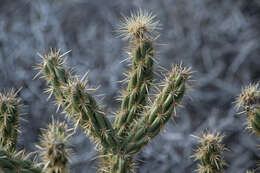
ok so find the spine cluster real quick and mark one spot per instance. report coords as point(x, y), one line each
point(210, 153)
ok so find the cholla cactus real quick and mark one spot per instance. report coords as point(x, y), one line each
point(9, 120)
point(137, 121)
point(54, 149)
point(209, 153)
point(248, 101)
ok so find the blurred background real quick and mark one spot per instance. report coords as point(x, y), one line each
point(219, 39)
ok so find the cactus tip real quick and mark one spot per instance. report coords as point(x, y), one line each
point(249, 96)
point(140, 25)
point(210, 153)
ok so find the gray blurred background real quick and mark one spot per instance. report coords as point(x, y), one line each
point(219, 39)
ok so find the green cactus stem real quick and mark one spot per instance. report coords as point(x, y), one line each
point(134, 98)
point(14, 162)
point(135, 123)
point(90, 116)
point(54, 147)
point(73, 95)
point(9, 120)
point(248, 101)
point(118, 163)
point(210, 153)
point(160, 112)
point(140, 30)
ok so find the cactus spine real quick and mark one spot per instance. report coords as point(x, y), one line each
point(209, 153)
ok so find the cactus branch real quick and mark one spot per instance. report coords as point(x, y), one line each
point(9, 120)
point(72, 94)
point(140, 78)
point(139, 29)
point(209, 153)
point(248, 101)
point(91, 118)
point(54, 148)
point(160, 112)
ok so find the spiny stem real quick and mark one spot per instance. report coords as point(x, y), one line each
point(54, 148)
point(72, 94)
point(160, 112)
point(9, 120)
point(209, 153)
point(248, 100)
point(89, 114)
point(140, 78)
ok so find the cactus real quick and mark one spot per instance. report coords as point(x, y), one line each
point(248, 101)
point(53, 147)
point(137, 121)
point(209, 153)
point(9, 120)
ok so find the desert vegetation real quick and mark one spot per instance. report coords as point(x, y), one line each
point(146, 105)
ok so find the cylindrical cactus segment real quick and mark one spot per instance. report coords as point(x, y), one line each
point(140, 29)
point(56, 75)
point(9, 120)
point(54, 148)
point(160, 112)
point(72, 95)
point(248, 100)
point(96, 122)
point(140, 78)
point(13, 162)
point(209, 153)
